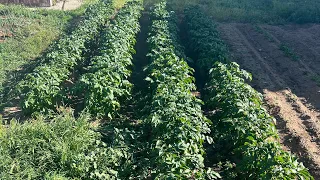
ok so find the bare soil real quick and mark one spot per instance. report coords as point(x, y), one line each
point(289, 86)
point(4, 35)
point(66, 5)
point(298, 126)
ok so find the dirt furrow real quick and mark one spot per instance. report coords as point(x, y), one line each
point(292, 74)
point(246, 55)
point(293, 129)
point(300, 60)
point(275, 75)
point(303, 40)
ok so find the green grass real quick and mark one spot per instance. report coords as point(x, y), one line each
point(119, 3)
point(33, 31)
point(56, 147)
point(269, 11)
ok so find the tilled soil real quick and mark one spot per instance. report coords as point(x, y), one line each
point(299, 127)
point(288, 84)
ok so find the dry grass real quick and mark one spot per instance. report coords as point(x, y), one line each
point(119, 3)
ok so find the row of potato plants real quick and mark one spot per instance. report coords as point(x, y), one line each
point(62, 147)
point(177, 125)
point(83, 153)
point(106, 84)
point(40, 90)
point(242, 129)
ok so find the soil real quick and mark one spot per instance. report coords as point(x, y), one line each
point(298, 126)
point(140, 62)
point(289, 86)
point(4, 35)
point(69, 5)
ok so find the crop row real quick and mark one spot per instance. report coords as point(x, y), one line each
point(174, 116)
point(63, 147)
point(243, 131)
point(106, 84)
point(40, 89)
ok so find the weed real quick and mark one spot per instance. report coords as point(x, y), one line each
point(264, 32)
point(316, 78)
point(289, 52)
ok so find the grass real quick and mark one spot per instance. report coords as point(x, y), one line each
point(33, 31)
point(57, 147)
point(270, 11)
point(265, 33)
point(119, 3)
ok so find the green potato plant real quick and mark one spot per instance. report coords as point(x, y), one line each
point(106, 83)
point(242, 129)
point(40, 90)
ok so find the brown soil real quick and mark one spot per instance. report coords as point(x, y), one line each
point(4, 35)
point(279, 77)
point(66, 5)
point(298, 126)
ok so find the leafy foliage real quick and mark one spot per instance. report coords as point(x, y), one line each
point(242, 129)
point(204, 40)
point(40, 89)
point(106, 84)
point(242, 120)
point(25, 34)
point(177, 124)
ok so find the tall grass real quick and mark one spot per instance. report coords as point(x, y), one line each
point(270, 11)
point(33, 31)
point(57, 147)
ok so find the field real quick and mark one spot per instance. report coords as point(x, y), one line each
point(288, 82)
point(133, 89)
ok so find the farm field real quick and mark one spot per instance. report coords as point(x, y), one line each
point(150, 89)
point(288, 83)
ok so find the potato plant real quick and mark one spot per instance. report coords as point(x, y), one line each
point(242, 129)
point(40, 89)
point(178, 127)
point(106, 82)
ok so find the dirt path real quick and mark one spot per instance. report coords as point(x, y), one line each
point(140, 61)
point(69, 5)
point(279, 77)
point(250, 58)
